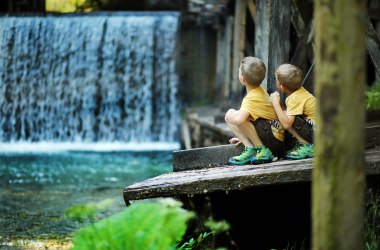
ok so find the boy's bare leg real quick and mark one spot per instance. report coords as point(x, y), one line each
point(239, 134)
point(247, 133)
point(249, 130)
point(297, 136)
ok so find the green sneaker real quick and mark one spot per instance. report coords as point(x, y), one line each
point(301, 151)
point(263, 155)
point(244, 157)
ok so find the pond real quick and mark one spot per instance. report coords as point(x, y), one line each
point(37, 188)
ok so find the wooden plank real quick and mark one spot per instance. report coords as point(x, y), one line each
point(228, 178)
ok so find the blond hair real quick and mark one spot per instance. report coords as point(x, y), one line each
point(253, 70)
point(290, 76)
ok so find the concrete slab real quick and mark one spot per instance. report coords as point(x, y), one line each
point(205, 157)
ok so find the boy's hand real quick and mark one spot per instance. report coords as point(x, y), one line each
point(235, 141)
point(275, 97)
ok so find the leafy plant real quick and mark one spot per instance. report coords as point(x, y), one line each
point(153, 226)
point(195, 243)
point(373, 96)
point(80, 212)
point(203, 241)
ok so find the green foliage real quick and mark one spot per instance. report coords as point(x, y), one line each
point(153, 226)
point(217, 227)
point(82, 211)
point(372, 223)
point(195, 243)
point(203, 241)
point(373, 96)
point(293, 247)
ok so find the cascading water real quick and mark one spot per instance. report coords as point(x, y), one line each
point(89, 78)
point(105, 82)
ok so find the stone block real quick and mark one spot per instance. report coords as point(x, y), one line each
point(205, 157)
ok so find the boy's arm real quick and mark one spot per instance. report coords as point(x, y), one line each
point(236, 117)
point(286, 120)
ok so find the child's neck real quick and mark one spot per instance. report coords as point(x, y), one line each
point(249, 87)
point(291, 92)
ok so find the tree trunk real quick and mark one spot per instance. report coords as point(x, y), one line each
point(338, 175)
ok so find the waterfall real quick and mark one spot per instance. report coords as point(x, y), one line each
point(89, 78)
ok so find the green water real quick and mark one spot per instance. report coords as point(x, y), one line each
point(36, 189)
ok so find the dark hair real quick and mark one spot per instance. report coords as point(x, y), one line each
point(253, 70)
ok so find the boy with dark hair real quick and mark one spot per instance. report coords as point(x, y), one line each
point(255, 124)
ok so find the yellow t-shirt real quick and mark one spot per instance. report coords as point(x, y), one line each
point(301, 102)
point(257, 103)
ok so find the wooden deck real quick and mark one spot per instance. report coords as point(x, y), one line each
point(227, 178)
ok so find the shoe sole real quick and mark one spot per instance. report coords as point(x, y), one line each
point(297, 157)
point(238, 162)
point(262, 161)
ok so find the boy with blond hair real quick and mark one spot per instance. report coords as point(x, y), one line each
point(299, 117)
point(255, 124)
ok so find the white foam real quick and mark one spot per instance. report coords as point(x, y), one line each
point(52, 147)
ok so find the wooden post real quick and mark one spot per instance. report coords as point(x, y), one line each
point(373, 45)
point(262, 33)
point(279, 44)
point(338, 175)
point(223, 62)
point(238, 46)
point(272, 36)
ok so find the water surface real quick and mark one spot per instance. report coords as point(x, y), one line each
point(37, 188)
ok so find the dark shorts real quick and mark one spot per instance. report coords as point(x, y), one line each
point(303, 128)
point(264, 130)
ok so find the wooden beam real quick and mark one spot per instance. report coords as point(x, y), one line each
point(301, 55)
point(238, 46)
point(227, 178)
point(296, 19)
point(279, 43)
point(252, 9)
point(262, 30)
point(373, 45)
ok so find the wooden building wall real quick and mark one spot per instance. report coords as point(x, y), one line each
point(283, 33)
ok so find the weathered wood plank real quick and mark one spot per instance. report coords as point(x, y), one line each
point(228, 178)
